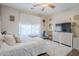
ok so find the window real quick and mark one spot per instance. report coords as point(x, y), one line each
point(29, 25)
point(25, 29)
point(29, 29)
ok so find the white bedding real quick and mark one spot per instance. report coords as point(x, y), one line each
point(32, 47)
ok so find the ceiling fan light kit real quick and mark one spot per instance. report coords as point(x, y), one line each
point(44, 5)
point(51, 5)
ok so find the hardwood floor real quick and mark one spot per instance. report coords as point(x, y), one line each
point(44, 54)
point(74, 52)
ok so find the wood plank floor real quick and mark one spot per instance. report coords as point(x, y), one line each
point(44, 54)
point(74, 52)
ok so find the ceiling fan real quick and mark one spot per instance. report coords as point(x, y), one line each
point(44, 5)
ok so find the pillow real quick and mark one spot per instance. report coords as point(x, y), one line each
point(9, 39)
point(3, 44)
point(17, 38)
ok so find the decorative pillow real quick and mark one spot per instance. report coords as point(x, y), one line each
point(3, 44)
point(9, 39)
point(17, 38)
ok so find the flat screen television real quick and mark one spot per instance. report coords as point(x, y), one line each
point(63, 27)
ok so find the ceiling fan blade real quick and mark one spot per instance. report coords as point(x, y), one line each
point(51, 5)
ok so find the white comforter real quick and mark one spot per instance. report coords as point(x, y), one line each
point(31, 48)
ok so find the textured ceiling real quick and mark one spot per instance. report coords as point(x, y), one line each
point(48, 11)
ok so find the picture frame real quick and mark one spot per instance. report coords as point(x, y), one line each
point(12, 18)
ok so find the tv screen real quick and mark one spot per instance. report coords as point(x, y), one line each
point(63, 27)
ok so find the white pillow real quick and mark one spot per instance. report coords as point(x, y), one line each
point(17, 38)
point(9, 39)
point(3, 44)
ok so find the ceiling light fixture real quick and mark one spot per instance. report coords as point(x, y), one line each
point(51, 5)
point(43, 5)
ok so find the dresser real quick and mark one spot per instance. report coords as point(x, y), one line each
point(62, 37)
point(76, 43)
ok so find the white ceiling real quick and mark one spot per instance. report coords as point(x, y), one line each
point(37, 10)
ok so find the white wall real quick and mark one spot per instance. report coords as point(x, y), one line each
point(47, 22)
point(7, 25)
point(44, 27)
point(66, 16)
point(26, 19)
point(62, 17)
point(13, 26)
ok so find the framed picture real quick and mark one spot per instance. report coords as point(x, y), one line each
point(12, 18)
point(76, 17)
point(74, 24)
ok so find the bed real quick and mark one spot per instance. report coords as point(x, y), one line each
point(32, 47)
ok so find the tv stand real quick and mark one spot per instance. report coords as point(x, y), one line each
point(63, 38)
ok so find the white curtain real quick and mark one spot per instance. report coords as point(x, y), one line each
point(29, 26)
point(29, 29)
